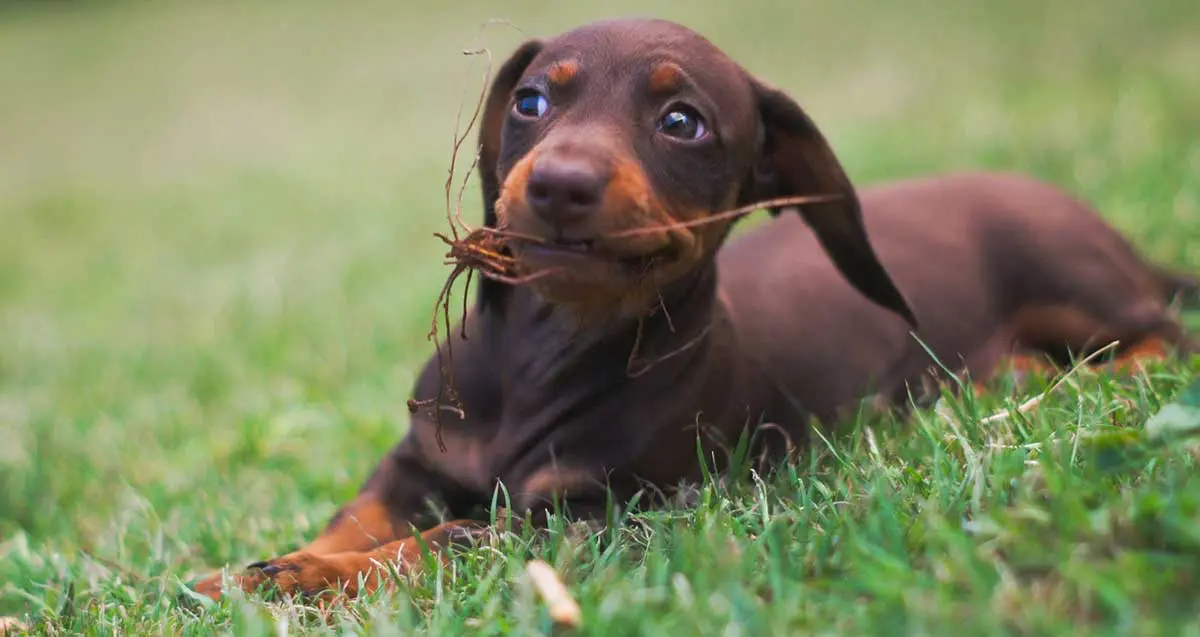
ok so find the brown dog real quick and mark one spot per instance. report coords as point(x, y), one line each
point(598, 377)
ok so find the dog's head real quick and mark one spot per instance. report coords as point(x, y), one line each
point(599, 142)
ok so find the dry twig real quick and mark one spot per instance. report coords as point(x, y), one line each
point(564, 611)
point(12, 626)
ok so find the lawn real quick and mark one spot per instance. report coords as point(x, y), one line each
point(217, 273)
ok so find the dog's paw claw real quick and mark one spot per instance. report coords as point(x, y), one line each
point(270, 569)
point(468, 536)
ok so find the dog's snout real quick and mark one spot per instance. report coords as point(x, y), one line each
point(566, 190)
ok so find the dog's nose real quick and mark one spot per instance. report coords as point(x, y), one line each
point(565, 190)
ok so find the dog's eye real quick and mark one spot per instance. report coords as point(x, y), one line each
point(682, 123)
point(530, 103)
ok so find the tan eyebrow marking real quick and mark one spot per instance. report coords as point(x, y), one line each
point(561, 73)
point(666, 77)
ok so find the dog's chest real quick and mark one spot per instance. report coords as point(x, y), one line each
point(466, 456)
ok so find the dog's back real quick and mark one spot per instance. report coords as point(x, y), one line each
point(993, 263)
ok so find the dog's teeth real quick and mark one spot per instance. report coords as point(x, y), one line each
point(579, 245)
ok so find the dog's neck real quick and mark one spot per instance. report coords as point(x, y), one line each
point(548, 355)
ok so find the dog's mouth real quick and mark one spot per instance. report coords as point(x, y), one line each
point(584, 247)
point(576, 250)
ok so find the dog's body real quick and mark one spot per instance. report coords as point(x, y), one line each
point(598, 378)
point(1007, 236)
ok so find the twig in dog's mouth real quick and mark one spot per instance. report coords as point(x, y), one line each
point(727, 215)
point(467, 260)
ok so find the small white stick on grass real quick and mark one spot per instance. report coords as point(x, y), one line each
point(12, 626)
point(563, 609)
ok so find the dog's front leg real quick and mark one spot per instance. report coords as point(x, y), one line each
point(352, 573)
point(374, 530)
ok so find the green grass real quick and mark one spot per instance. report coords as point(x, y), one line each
point(216, 275)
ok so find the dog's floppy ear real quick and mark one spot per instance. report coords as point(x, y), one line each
point(495, 110)
point(796, 160)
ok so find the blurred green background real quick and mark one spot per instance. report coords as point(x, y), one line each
point(216, 261)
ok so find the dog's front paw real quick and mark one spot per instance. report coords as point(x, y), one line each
point(302, 574)
point(209, 587)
